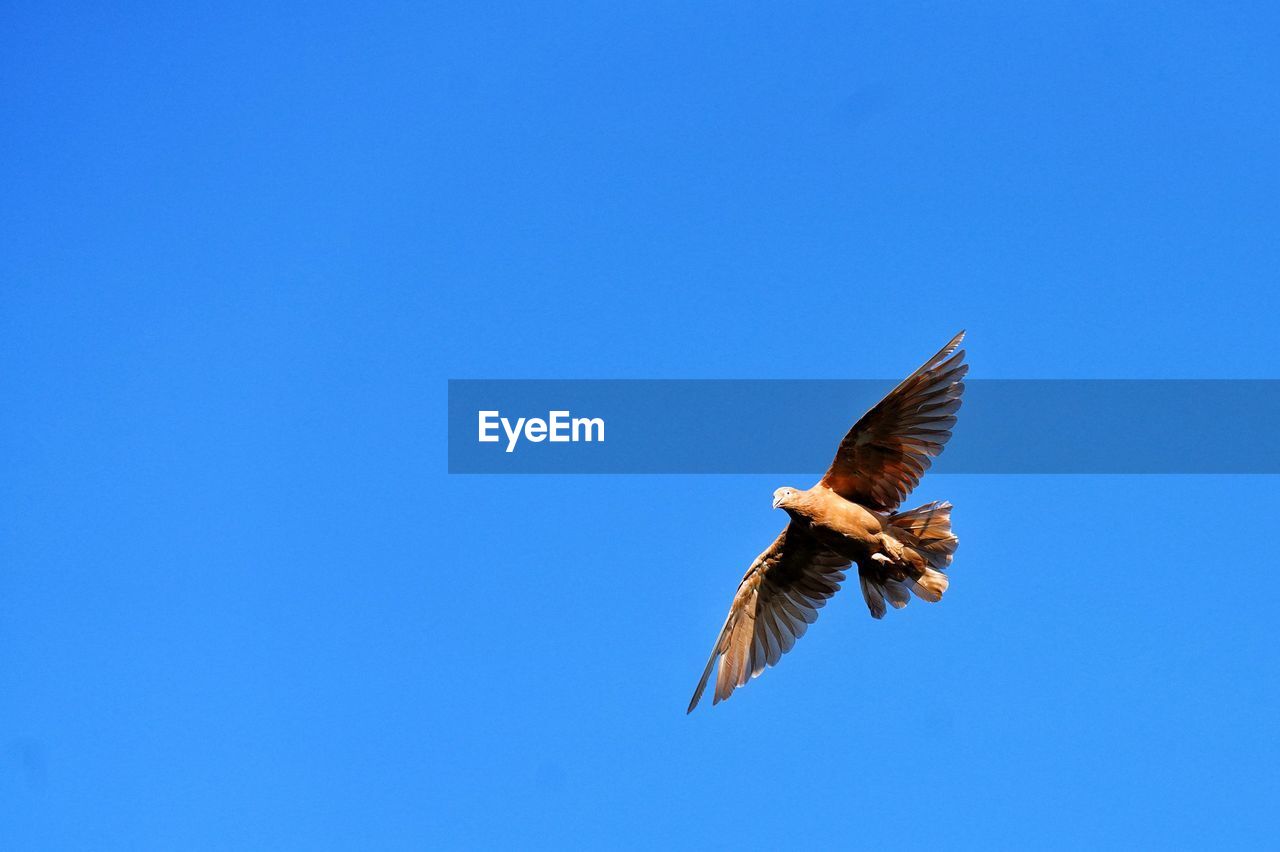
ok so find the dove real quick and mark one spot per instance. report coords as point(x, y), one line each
point(851, 517)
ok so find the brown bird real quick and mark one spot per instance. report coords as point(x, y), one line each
point(851, 516)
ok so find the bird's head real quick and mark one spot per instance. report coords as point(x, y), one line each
point(784, 497)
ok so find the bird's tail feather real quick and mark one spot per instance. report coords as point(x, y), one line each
point(929, 545)
point(929, 533)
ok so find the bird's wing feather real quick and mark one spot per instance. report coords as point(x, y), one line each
point(887, 451)
point(777, 600)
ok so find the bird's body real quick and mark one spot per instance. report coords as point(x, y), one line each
point(850, 518)
point(853, 531)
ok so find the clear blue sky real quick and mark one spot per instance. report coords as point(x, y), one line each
point(242, 605)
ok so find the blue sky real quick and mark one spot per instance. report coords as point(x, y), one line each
point(242, 605)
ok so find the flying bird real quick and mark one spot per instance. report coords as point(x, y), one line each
point(851, 516)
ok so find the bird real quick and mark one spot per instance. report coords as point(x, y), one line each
point(851, 517)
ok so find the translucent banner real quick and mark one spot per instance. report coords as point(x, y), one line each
point(745, 426)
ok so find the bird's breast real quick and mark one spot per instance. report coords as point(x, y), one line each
point(847, 528)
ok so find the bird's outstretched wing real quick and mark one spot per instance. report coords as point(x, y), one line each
point(776, 602)
point(887, 451)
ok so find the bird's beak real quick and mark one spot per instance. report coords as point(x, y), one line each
point(777, 501)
